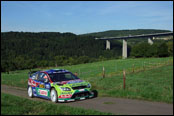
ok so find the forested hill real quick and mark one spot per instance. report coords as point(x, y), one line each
point(24, 50)
point(116, 33)
point(21, 50)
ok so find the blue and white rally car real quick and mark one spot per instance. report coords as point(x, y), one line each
point(58, 85)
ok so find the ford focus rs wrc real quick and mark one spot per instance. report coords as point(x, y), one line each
point(58, 86)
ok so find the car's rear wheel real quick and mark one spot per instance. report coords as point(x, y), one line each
point(30, 92)
point(54, 95)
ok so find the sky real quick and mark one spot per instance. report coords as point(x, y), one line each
point(81, 17)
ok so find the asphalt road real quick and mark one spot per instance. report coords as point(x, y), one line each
point(106, 104)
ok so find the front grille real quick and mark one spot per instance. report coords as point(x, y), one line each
point(79, 87)
point(81, 94)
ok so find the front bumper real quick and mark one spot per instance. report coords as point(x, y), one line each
point(77, 96)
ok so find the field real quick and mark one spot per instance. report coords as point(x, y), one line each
point(146, 78)
point(13, 105)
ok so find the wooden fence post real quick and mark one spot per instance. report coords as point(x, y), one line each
point(115, 68)
point(124, 79)
point(144, 66)
point(133, 68)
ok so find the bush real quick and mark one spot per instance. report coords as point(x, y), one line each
point(170, 48)
point(162, 50)
point(147, 50)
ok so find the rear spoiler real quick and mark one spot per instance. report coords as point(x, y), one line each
point(32, 72)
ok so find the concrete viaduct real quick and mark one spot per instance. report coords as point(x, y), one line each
point(124, 38)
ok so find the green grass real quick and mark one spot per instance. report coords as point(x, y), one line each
point(152, 85)
point(14, 105)
point(152, 78)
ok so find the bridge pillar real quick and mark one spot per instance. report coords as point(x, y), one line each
point(124, 49)
point(150, 41)
point(108, 45)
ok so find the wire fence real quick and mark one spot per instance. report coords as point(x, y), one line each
point(114, 70)
point(117, 68)
point(110, 71)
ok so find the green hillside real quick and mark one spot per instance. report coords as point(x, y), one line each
point(146, 78)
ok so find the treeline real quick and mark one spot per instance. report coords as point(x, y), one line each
point(27, 50)
point(158, 49)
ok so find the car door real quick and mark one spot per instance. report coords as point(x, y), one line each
point(43, 89)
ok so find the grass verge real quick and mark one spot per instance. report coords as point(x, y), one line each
point(14, 105)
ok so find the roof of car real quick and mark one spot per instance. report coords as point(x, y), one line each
point(56, 71)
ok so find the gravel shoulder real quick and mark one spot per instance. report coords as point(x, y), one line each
point(106, 104)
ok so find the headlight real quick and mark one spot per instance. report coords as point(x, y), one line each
point(65, 89)
point(89, 85)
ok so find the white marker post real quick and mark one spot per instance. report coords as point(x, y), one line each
point(103, 72)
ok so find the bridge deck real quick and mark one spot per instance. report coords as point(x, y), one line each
point(138, 36)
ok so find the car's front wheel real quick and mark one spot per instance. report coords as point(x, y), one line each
point(95, 93)
point(54, 96)
point(30, 92)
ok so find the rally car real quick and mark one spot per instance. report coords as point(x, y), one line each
point(58, 85)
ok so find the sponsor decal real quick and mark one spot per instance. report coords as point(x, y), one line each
point(66, 93)
point(41, 86)
point(32, 83)
point(82, 98)
point(78, 84)
point(65, 96)
point(81, 90)
point(61, 100)
point(47, 86)
point(72, 81)
point(43, 92)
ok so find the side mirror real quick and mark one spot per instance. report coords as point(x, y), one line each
point(29, 74)
point(76, 74)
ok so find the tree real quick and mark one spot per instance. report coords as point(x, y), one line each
point(20, 62)
point(162, 50)
point(136, 51)
point(83, 59)
point(170, 48)
point(60, 60)
point(147, 50)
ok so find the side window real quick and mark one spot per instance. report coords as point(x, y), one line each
point(68, 76)
point(35, 76)
point(42, 77)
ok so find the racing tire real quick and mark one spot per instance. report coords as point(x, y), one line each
point(30, 91)
point(53, 95)
point(95, 92)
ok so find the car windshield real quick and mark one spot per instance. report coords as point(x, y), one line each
point(58, 77)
